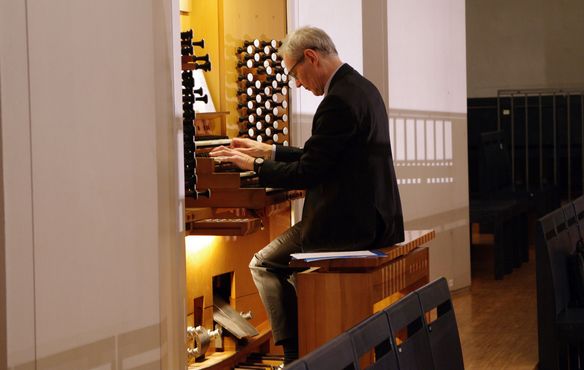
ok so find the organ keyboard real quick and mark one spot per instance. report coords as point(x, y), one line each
point(231, 189)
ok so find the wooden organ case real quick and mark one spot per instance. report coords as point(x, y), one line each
point(224, 230)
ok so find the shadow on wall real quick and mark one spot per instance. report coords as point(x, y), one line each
point(136, 349)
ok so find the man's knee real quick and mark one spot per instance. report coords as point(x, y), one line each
point(254, 263)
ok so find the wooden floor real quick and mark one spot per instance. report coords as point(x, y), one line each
point(497, 319)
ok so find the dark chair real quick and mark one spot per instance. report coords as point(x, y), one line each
point(498, 208)
point(495, 167)
point(571, 223)
point(297, 365)
point(496, 182)
point(336, 354)
point(560, 328)
point(408, 328)
point(373, 334)
point(579, 213)
point(443, 331)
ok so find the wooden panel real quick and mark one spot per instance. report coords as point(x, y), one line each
point(330, 303)
point(203, 19)
point(211, 256)
point(245, 20)
point(413, 239)
point(218, 180)
point(225, 24)
point(331, 300)
point(224, 226)
point(253, 198)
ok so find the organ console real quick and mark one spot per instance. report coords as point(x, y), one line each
point(255, 43)
point(194, 66)
point(189, 50)
point(224, 230)
point(187, 91)
point(238, 207)
point(268, 89)
point(272, 43)
point(194, 58)
point(249, 50)
point(269, 104)
point(189, 130)
point(204, 98)
point(248, 76)
point(272, 131)
point(245, 83)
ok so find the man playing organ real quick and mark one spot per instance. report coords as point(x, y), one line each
point(352, 199)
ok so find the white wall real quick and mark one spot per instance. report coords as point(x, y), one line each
point(83, 152)
point(427, 103)
point(342, 21)
point(427, 55)
point(524, 44)
point(17, 183)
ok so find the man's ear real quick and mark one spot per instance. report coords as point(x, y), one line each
point(312, 55)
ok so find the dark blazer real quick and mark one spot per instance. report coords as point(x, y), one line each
point(352, 199)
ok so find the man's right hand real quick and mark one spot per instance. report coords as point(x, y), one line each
point(252, 147)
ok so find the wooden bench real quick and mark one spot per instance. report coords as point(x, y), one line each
point(334, 295)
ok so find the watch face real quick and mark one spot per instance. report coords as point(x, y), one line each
point(257, 163)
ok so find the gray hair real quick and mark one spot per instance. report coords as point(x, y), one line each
point(307, 38)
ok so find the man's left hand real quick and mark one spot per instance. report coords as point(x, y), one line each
point(225, 154)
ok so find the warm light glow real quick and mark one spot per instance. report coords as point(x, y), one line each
point(197, 243)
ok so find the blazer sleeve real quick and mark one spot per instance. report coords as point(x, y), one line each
point(334, 128)
point(287, 153)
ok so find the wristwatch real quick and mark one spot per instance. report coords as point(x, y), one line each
point(257, 164)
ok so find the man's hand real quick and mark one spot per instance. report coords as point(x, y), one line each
point(225, 154)
point(252, 148)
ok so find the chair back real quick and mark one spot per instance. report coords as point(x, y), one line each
point(552, 254)
point(558, 251)
point(578, 205)
point(495, 168)
point(336, 354)
point(571, 223)
point(408, 328)
point(436, 303)
point(374, 335)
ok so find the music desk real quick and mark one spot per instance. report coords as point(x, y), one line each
point(334, 295)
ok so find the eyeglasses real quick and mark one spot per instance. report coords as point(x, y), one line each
point(291, 70)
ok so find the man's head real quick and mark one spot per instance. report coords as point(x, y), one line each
point(311, 57)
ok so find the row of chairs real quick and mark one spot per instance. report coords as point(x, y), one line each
point(417, 332)
point(560, 326)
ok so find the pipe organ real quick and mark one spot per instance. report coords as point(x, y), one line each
point(227, 324)
point(228, 216)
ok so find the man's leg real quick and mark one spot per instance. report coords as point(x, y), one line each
point(276, 288)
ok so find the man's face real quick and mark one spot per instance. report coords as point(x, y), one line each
point(304, 72)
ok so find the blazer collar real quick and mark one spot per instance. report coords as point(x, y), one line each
point(341, 72)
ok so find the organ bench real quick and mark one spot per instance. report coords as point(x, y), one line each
point(335, 294)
